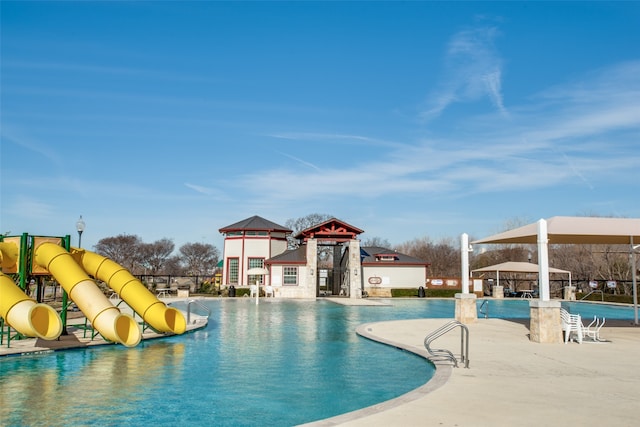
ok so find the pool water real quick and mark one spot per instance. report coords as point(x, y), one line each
point(280, 363)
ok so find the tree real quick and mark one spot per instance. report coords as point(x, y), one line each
point(302, 223)
point(199, 258)
point(443, 255)
point(124, 249)
point(376, 241)
point(155, 255)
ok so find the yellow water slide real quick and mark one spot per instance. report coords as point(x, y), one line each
point(105, 317)
point(21, 312)
point(25, 315)
point(153, 311)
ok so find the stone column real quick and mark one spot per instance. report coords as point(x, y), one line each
point(310, 281)
point(355, 270)
point(466, 308)
point(498, 291)
point(545, 325)
point(570, 293)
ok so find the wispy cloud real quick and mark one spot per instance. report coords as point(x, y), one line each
point(555, 139)
point(333, 138)
point(311, 165)
point(473, 70)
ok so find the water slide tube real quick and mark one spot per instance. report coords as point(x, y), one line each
point(25, 315)
point(105, 318)
point(153, 311)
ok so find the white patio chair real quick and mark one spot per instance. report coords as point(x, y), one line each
point(268, 291)
point(253, 289)
point(571, 324)
point(593, 329)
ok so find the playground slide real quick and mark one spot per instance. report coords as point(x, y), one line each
point(105, 318)
point(25, 315)
point(153, 311)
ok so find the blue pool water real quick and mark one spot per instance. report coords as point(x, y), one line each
point(280, 363)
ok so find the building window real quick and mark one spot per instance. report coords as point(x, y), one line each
point(233, 271)
point(256, 263)
point(290, 275)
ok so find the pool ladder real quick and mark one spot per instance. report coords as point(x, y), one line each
point(440, 354)
point(199, 304)
point(484, 308)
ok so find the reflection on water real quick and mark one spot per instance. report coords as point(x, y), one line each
point(78, 387)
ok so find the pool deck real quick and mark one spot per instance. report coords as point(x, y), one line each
point(511, 381)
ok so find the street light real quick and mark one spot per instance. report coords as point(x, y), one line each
point(80, 227)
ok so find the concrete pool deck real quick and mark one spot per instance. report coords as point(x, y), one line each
point(511, 381)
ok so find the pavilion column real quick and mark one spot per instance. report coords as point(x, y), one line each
point(466, 307)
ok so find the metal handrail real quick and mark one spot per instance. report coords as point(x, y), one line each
point(440, 353)
point(198, 303)
point(484, 308)
point(593, 292)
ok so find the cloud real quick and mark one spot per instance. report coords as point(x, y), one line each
point(473, 70)
point(311, 165)
point(568, 134)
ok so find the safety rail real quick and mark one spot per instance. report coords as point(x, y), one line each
point(199, 304)
point(484, 308)
point(444, 354)
point(595, 291)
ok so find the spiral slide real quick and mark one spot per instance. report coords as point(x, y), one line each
point(153, 311)
point(105, 318)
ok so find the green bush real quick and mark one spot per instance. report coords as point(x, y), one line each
point(429, 293)
point(623, 299)
point(403, 293)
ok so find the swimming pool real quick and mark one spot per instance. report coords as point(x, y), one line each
point(279, 363)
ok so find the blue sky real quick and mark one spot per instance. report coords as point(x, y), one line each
point(405, 119)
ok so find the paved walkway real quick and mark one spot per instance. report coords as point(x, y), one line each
point(512, 381)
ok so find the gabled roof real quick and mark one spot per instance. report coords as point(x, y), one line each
point(371, 254)
point(332, 229)
point(255, 223)
point(290, 256)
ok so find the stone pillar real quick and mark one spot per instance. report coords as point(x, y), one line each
point(310, 280)
point(498, 291)
point(355, 270)
point(545, 325)
point(466, 308)
point(569, 293)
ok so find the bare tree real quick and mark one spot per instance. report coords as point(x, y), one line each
point(155, 255)
point(443, 255)
point(302, 223)
point(376, 241)
point(199, 258)
point(124, 249)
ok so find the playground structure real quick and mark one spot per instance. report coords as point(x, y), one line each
point(28, 256)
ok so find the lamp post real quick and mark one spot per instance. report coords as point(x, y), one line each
point(80, 227)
